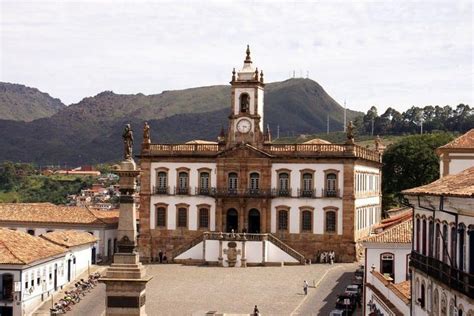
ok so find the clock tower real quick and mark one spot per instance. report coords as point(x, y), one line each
point(246, 118)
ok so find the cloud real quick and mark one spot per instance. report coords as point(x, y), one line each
point(369, 53)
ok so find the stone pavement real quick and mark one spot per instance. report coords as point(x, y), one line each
point(44, 309)
point(192, 290)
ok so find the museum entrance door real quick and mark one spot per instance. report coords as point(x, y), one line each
point(232, 220)
point(254, 221)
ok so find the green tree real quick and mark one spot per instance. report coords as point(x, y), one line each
point(410, 163)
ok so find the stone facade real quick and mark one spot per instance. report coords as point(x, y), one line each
point(303, 194)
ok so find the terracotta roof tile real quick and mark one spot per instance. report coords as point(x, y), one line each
point(317, 141)
point(50, 213)
point(463, 141)
point(404, 288)
point(400, 233)
point(21, 248)
point(69, 238)
point(458, 185)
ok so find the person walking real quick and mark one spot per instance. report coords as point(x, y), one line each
point(305, 287)
point(256, 312)
point(160, 256)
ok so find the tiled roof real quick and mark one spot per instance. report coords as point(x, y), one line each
point(458, 185)
point(393, 220)
point(50, 213)
point(404, 288)
point(463, 141)
point(400, 233)
point(21, 248)
point(69, 238)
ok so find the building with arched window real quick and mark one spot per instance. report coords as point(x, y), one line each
point(443, 256)
point(312, 197)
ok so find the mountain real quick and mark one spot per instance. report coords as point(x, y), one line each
point(21, 103)
point(90, 131)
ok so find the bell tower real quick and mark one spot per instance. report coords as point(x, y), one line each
point(246, 118)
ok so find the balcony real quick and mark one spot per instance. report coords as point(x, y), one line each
point(330, 193)
point(453, 278)
point(247, 193)
point(205, 191)
point(306, 193)
point(161, 190)
point(181, 191)
point(281, 192)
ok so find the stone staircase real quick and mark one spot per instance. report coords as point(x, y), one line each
point(239, 237)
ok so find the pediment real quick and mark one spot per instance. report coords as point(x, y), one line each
point(244, 151)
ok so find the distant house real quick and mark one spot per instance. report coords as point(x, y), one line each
point(387, 255)
point(457, 155)
point(40, 218)
point(33, 268)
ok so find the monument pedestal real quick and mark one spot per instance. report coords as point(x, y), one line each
point(125, 280)
point(125, 283)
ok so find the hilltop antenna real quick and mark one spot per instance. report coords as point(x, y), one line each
point(345, 115)
point(278, 131)
point(327, 124)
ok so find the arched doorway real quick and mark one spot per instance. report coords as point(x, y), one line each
point(254, 221)
point(232, 220)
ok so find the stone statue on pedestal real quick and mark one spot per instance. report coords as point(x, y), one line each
point(127, 142)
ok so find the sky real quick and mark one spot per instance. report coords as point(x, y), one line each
point(365, 53)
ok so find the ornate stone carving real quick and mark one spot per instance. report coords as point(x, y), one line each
point(127, 142)
point(232, 252)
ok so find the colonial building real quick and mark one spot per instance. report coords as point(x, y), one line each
point(313, 197)
point(41, 218)
point(443, 247)
point(33, 268)
point(387, 253)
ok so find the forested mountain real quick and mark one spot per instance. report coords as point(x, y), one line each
point(21, 103)
point(90, 131)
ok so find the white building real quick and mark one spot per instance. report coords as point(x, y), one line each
point(387, 280)
point(41, 218)
point(313, 197)
point(33, 268)
point(457, 155)
point(443, 251)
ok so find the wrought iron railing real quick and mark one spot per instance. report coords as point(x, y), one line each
point(330, 193)
point(161, 190)
point(306, 193)
point(453, 278)
point(181, 190)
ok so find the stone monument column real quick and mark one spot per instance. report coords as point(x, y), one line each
point(125, 281)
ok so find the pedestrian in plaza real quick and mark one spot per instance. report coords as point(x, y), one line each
point(305, 287)
point(256, 312)
point(165, 258)
point(160, 256)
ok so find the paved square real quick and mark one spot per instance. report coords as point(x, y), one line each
point(187, 290)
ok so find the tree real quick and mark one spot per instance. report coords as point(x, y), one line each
point(410, 163)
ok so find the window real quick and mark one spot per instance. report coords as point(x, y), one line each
point(283, 184)
point(430, 238)
point(182, 217)
point(387, 265)
point(462, 249)
point(421, 299)
point(306, 221)
point(424, 238)
point(330, 221)
point(162, 179)
point(183, 178)
point(232, 184)
point(445, 243)
point(307, 182)
point(31, 232)
point(283, 220)
point(161, 216)
point(244, 102)
point(331, 184)
point(437, 242)
point(418, 235)
point(254, 181)
point(204, 182)
point(453, 247)
point(203, 218)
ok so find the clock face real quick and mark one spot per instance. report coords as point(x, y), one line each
point(244, 126)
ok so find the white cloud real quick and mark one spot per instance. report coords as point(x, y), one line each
point(370, 53)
